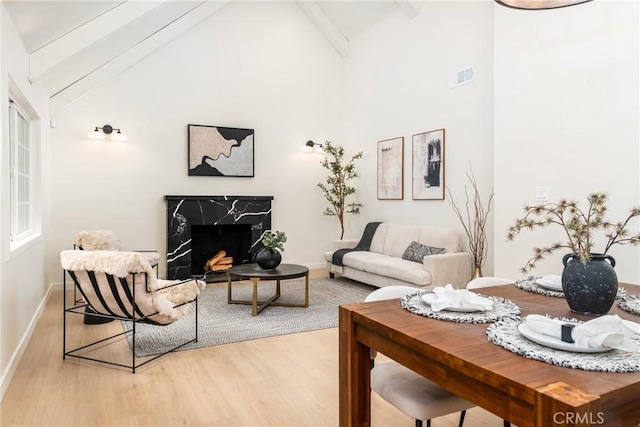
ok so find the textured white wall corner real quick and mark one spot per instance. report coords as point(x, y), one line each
point(566, 116)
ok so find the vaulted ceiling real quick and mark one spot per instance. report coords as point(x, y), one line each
point(75, 46)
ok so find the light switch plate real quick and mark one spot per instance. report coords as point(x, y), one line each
point(542, 194)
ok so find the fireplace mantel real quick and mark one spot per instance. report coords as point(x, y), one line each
point(186, 211)
point(218, 198)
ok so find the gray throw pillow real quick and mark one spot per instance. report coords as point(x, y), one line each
point(416, 252)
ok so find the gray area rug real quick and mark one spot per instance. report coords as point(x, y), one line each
point(222, 323)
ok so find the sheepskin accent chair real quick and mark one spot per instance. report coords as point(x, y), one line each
point(105, 240)
point(123, 286)
point(98, 240)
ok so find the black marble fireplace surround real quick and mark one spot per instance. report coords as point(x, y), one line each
point(219, 212)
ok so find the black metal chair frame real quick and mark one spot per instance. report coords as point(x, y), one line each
point(78, 308)
point(75, 293)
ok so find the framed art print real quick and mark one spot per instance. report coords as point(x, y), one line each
point(428, 165)
point(391, 169)
point(220, 151)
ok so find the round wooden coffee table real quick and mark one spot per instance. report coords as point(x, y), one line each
point(255, 273)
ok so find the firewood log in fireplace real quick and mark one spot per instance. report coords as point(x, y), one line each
point(218, 262)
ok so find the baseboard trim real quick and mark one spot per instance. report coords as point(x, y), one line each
point(7, 375)
point(57, 287)
point(320, 266)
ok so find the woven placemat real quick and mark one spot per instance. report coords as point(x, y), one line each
point(505, 333)
point(501, 307)
point(529, 284)
point(630, 303)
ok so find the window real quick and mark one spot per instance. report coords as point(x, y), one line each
point(21, 154)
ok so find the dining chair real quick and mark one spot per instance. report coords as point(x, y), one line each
point(485, 282)
point(410, 392)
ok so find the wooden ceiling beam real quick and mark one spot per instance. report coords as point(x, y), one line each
point(64, 47)
point(409, 7)
point(326, 27)
point(89, 80)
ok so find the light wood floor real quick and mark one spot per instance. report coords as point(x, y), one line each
point(289, 380)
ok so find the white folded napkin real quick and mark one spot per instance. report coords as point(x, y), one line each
point(551, 281)
point(609, 331)
point(448, 297)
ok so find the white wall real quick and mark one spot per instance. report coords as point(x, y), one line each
point(22, 272)
point(259, 65)
point(397, 86)
point(566, 116)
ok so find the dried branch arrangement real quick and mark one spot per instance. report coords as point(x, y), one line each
point(474, 218)
point(578, 225)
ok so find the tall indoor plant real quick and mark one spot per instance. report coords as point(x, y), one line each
point(474, 218)
point(336, 188)
point(588, 280)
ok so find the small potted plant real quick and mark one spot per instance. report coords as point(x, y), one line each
point(269, 256)
point(589, 282)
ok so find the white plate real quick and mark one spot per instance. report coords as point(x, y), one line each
point(550, 282)
point(552, 342)
point(458, 309)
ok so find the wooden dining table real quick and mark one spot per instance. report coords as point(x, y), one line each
point(460, 358)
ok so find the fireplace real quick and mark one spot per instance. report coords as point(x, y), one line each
point(198, 227)
point(209, 240)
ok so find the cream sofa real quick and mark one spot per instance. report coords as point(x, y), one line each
point(383, 265)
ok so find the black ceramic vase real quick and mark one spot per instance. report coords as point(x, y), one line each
point(268, 259)
point(590, 287)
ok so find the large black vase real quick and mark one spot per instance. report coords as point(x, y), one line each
point(590, 287)
point(268, 259)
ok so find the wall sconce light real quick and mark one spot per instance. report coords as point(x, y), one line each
point(107, 129)
point(539, 4)
point(310, 147)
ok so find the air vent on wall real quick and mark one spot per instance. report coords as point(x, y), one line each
point(461, 77)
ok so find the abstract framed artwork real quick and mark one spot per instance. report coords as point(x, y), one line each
point(428, 165)
point(220, 151)
point(391, 169)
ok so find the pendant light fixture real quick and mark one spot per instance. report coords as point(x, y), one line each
point(539, 4)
